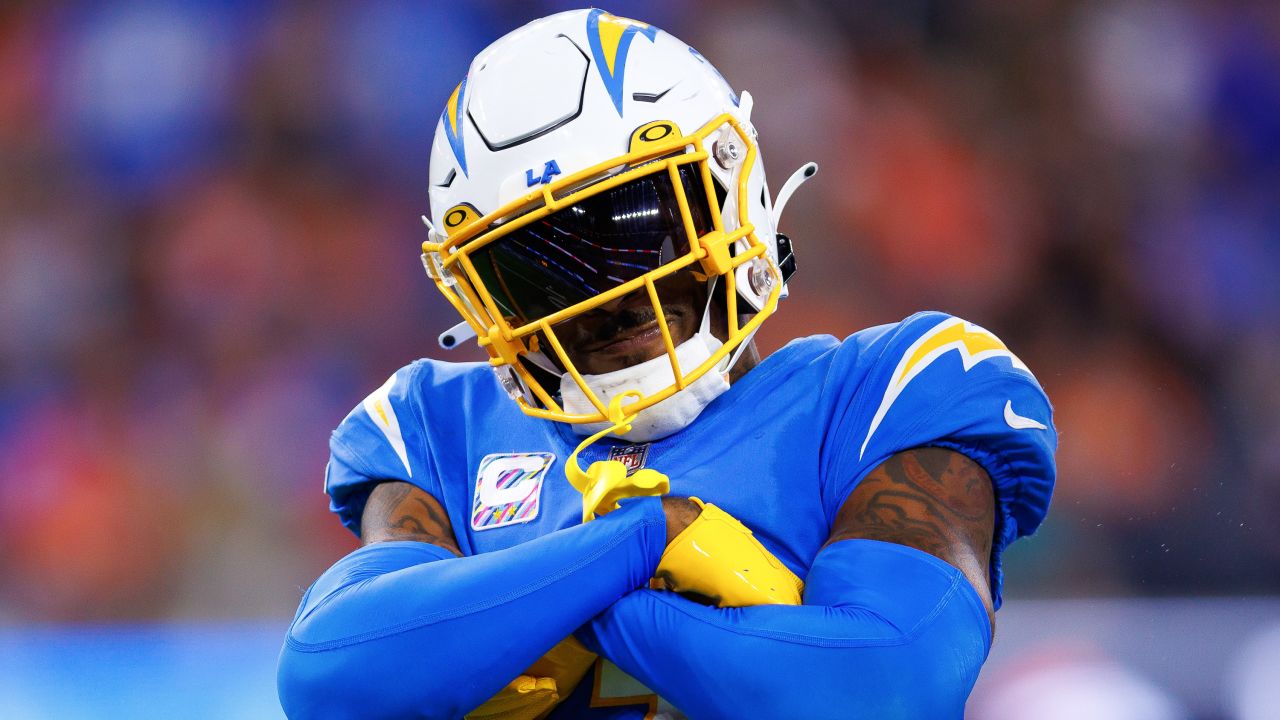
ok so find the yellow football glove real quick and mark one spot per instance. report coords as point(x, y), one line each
point(715, 557)
point(718, 558)
point(535, 693)
point(525, 698)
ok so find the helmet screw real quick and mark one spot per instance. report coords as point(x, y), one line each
point(759, 277)
point(727, 153)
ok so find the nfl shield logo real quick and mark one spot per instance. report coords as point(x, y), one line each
point(633, 456)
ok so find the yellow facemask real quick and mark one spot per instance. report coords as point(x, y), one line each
point(462, 270)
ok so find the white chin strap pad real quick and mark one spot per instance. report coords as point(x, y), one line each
point(667, 417)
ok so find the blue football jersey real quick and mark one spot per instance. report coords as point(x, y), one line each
point(781, 450)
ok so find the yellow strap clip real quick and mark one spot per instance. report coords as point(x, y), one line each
point(606, 481)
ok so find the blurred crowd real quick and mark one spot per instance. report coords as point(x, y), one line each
point(209, 235)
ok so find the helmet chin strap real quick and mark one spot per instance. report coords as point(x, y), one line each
point(704, 327)
point(733, 357)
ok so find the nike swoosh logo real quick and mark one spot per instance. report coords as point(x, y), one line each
point(1018, 422)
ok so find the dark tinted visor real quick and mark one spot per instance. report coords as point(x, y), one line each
point(593, 246)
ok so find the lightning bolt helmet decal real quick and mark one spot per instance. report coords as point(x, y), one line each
point(610, 38)
point(452, 119)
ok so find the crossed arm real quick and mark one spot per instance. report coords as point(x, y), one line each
point(886, 630)
point(404, 627)
point(930, 499)
point(400, 511)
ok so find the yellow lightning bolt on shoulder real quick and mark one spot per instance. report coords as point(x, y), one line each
point(606, 482)
point(957, 333)
point(719, 558)
point(972, 343)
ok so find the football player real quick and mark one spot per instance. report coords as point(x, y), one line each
point(601, 222)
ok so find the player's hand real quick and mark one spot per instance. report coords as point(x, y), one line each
point(681, 512)
point(535, 693)
point(716, 558)
point(525, 698)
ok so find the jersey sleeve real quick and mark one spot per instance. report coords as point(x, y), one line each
point(937, 380)
point(383, 438)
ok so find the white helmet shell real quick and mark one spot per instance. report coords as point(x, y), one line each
point(565, 93)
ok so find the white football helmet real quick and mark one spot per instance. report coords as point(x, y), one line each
point(584, 157)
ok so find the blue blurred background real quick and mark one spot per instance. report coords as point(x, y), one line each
point(208, 254)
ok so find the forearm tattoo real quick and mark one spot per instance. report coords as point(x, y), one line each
point(400, 511)
point(931, 499)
